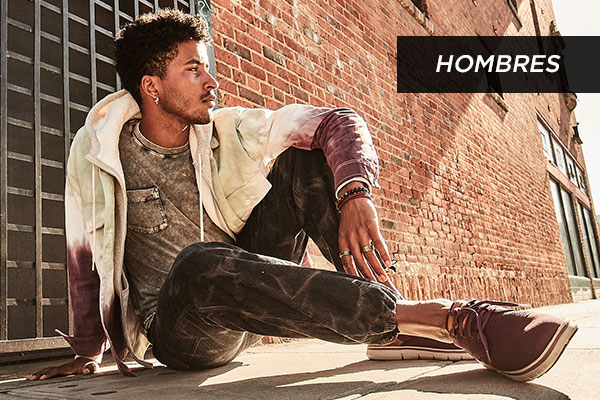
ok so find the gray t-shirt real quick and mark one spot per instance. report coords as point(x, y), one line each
point(163, 214)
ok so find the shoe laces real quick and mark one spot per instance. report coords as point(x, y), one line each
point(479, 311)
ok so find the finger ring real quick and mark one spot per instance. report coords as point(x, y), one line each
point(366, 249)
point(345, 253)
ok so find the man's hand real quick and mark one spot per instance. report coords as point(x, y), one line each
point(78, 366)
point(359, 227)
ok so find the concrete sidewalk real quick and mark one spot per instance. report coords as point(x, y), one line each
point(311, 369)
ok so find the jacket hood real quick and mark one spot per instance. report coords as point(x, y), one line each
point(103, 125)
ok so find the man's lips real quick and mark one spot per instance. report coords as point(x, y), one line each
point(210, 98)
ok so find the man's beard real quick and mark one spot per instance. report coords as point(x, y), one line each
point(179, 106)
point(204, 118)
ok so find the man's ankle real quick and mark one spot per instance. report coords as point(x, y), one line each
point(428, 318)
point(450, 321)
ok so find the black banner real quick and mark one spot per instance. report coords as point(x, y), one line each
point(506, 64)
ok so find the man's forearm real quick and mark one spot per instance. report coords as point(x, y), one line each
point(346, 141)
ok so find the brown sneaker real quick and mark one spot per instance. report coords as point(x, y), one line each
point(521, 345)
point(407, 347)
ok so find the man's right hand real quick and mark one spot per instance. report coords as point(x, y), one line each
point(78, 366)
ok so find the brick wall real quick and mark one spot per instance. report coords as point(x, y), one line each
point(464, 203)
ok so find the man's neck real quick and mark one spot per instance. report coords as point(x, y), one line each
point(164, 132)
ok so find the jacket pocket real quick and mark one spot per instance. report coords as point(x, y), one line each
point(244, 199)
point(146, 211)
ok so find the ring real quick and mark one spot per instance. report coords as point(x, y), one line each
point(366, 249)
point(345, 253)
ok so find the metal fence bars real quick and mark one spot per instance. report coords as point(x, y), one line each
point(56, 62)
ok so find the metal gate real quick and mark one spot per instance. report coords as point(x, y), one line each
point(56, 62)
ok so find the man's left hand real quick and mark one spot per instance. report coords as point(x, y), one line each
point(359, 230)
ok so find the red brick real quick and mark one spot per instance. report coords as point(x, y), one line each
point(273, 104)
point(253, 70)
point(222, 29)
point(233, 20)
point(265, 37)
point(237, 48)
point(269, 6)
point(294, 45)
point(273, 56)
point(278, 95)
point(299, 93)
point(247, 41)
point(287, 76)
point(253, 84)
point(266, 90)
point(278, 83)
point(226, 57)
point(239, 76)
point(306, 85)
point(254, 97)
point(223, 69)
point(264, 64)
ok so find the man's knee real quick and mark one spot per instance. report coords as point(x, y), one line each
point(202, 252)
point(301, 162)
point(200, 259)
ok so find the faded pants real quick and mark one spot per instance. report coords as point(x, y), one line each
point(218, 298)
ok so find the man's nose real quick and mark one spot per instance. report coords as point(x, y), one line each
point(211, 83)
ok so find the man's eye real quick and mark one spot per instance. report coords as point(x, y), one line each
point(194, 69)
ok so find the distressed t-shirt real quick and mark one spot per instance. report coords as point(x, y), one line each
point(163, 214)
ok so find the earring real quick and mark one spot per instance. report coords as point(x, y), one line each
point(156, 100)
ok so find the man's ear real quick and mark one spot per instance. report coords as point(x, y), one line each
point(149, 87)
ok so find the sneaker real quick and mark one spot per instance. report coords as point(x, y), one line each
point(416, 348)
point(521, 345)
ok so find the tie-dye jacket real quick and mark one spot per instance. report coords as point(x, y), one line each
point(230, 157)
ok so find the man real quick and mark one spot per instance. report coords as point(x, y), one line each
point(160, 187)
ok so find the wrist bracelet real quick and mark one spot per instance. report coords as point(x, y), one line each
point(352, 191)
point(351, 197)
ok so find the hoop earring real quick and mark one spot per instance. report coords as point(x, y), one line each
point(156, 100)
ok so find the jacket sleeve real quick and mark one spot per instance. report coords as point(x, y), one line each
point(88, 338)
point(341, 133)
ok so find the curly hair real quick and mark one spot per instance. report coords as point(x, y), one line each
point(147, 45)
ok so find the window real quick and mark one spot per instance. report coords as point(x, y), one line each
point(559, 156)
point(421, 5)
point(512, 4)
point(569, 233)
point(580, 179)
point(556, 153)
point(494, 85)
point(493, 78)
point(590, 240)
point(546, 143)
point(571, 169)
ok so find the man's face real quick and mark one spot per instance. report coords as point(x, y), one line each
point(186, 90)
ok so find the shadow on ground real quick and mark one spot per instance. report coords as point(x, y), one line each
point(364, 378)
point(307, 385)
point(352, 380)
point(480, 382)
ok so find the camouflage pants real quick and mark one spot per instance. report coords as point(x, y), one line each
point(219, 299)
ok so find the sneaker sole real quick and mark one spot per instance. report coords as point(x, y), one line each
point(547, 359)
point(390, 353)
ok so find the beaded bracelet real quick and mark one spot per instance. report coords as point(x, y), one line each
point(352, 192)
point(354, 196)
